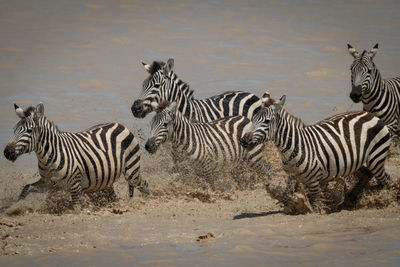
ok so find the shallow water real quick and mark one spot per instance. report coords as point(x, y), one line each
point(82, 60)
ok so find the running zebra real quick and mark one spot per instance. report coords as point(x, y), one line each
point(164, 85)
point(379, 96)
point(315, 154)
point(210, 147)
point(87, 161)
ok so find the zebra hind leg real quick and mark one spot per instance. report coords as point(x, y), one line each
point(38, 186)
point(377, 168)
point(364, 176)
point(135, 180)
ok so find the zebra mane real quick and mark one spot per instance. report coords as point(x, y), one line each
point(183, 86)
point(363, 53)
point(156, 66)
point(162, 106)
point(268, 102)
point(29, 111)
point(297, 121)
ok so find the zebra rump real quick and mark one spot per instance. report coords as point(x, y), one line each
point(210, 147)
point(315, 154)
point(87, 161)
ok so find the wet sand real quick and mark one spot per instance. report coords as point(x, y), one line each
point(180, 224)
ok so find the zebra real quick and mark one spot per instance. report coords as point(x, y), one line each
point(87, 161)
point(210, 147)
point(316, 154)
point(164, 85)
point(379, 96)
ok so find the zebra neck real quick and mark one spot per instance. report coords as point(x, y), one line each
point(49, 141)
point(183, 96)
point(378, 88)
point(288, 133)
point(181, 131)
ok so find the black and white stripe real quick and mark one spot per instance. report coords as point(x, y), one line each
point(210, 147)
point(379, 96)
point(316, 154)
point(87, 161)
point(164, 85)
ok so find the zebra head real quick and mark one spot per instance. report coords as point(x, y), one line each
point(154, 89)
point(160, 126)
point(25, 132)
point(363, 73)
point(264, 122)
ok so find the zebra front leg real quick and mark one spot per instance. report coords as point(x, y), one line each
point(38, 186)
point(315, 198)
point(75, 190)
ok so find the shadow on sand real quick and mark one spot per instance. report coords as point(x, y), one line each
point(259, 214)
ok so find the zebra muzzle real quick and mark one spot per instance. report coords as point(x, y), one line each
point(137, 109)
point(355, 94)
point(245, 141)
point(10, 154)
point(151, 146)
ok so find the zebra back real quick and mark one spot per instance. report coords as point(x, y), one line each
point(164, 85)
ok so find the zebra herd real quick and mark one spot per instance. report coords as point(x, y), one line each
point(229, 129)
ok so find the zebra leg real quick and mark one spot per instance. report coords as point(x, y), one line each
point(175, 159)
point(377, 168)
point(291, 186)
point(316, 198)
point(135, 180)
point(76, 190)
point(38, 186)
point(364, 176)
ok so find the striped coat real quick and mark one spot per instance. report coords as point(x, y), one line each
point(164, 85)
point(209, 147)
point(379, 96)
point(87, 161)
point(315, 154)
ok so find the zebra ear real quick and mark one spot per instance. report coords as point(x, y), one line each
point(373, 51)
point(352, 51)
point(19, 111)
point(169, 66)
point(281, 102)
point(39, 110)
point(266, 100)
point(146, 66)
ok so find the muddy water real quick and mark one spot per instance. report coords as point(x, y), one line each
point(82, 60)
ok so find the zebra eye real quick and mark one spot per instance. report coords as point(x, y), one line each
point(369, 71)
point(157, 85)
point(29, 130)
point(267, 120)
